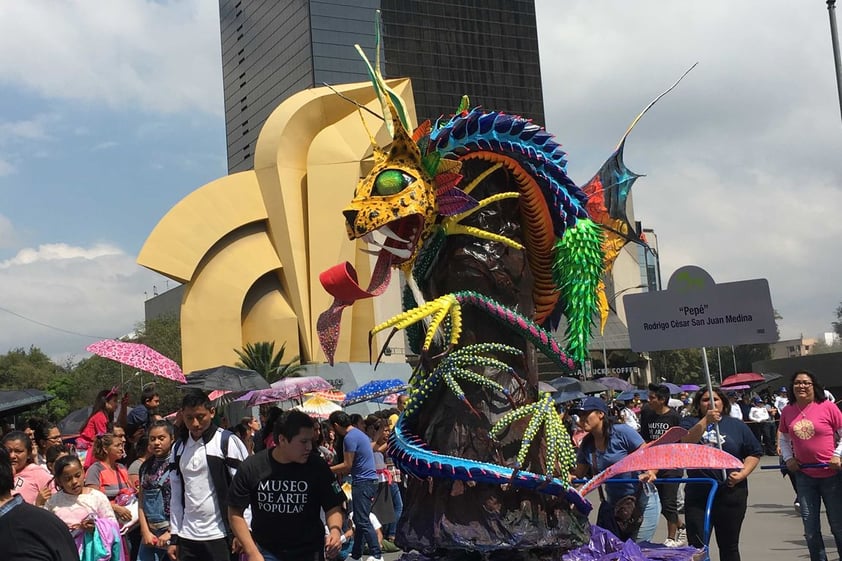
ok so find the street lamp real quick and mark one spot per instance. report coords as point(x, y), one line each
point(834, 40)
point(612, 300)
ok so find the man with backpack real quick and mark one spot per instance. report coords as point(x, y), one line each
point(204, 461)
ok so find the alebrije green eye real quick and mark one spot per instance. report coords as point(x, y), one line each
point(391, 182)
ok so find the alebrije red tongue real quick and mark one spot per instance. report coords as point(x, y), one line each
point(340, 281)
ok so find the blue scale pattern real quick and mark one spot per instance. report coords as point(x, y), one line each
point(525, 141)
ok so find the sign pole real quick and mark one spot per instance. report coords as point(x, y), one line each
point(712, 403)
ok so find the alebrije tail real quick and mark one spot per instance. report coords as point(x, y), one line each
point(578, 271)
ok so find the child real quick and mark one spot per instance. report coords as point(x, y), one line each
point(155, 494)
point(84, 510)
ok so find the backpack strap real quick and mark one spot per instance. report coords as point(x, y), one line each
point(233, 463)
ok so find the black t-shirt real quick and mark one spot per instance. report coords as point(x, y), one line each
point(29, 533)
point(653, 425)
point(286, 500)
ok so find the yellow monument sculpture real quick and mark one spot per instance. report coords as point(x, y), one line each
point(249, 246)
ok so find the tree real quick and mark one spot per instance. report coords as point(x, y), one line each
point(262, 358)
point(681, 366)
point(26, 369)
point(820, 348)
point(163, 334)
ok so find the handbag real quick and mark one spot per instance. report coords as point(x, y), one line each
point(623, 517)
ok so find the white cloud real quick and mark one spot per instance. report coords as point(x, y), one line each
point(8, 236)
point(92, 292)
point(6, 167)
point(743, 173)
point(58, 252)
point(27, 129)
point(125, 53)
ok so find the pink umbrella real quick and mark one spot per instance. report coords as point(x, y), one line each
point(138, 356)
point(667, 456)
point(743, 378)
point(285, 389)
point(735, 388)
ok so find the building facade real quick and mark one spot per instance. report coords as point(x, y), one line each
point(270, 50)
point(792, 347)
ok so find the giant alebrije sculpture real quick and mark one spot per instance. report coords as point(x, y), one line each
point(496, 243)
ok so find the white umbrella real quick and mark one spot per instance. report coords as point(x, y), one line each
point(318, 407)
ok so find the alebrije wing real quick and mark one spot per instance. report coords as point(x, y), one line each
point(608, 193)
point(668, 456)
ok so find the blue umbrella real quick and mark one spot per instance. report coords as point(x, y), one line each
point(616, 384)
point(627, 395)
point(565, 396)
point(372, 390)
point(565, 384)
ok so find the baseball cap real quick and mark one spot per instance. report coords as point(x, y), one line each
point(591, 404)
point(757, 400)
point(783, 389)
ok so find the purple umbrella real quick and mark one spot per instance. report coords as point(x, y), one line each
point(689, 387)
point(285, 389)
point(672, 387)
point(616, 384)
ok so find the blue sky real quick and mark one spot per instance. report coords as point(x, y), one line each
point(110, 113)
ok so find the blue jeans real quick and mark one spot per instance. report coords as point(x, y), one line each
point(650, 506)
point(363, 494)
point(812, 491)
point(390, 529)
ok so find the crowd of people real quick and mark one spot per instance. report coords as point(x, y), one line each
point(800, 423)
point(134, 485)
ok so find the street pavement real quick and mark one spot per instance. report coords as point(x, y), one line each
point(772, 530)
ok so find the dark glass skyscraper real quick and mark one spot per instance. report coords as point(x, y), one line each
point(487, 49)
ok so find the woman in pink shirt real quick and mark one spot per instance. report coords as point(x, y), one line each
point(811, 433)
point(30, 478)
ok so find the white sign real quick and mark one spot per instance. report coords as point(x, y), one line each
point(694, 311)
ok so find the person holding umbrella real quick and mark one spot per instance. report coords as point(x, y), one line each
point(711, 425)
point(810, 428)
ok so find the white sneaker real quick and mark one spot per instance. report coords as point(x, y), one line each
point(373, 558)
point(669, 542)
point(681, 536)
